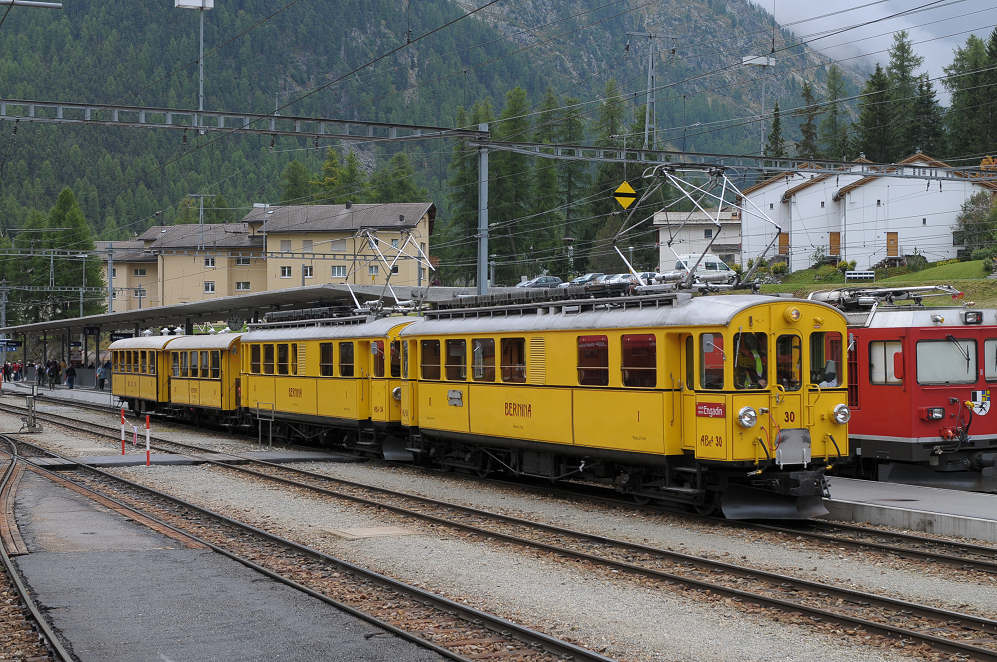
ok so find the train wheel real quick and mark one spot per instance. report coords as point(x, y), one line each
point(708, 508)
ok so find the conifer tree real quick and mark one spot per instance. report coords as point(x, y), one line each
point(573, 179)
point(774, 145)
point(969, 127)
point(547, 222)
point(395, 182)
point(295, 188)
point(928, 133)
point(903, 96)
point(605, 213)
point(833, 133)
point(509, 192)
point(873, 129)
point(807, 147)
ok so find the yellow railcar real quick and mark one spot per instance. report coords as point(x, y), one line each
point(139, 371)
point(316, 376)
point(669, 397)
point(204, 374)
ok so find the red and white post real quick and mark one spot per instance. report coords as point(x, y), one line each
point(134, 435)
point(122, 430)
point(147, 457)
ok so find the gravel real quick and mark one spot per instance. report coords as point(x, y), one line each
point(621, 618)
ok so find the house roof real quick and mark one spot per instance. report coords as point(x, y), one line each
point(341, 218)
point(912, 159)
point(192, 235)
point(125, 251)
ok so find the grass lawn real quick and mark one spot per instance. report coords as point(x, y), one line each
point(932, 275)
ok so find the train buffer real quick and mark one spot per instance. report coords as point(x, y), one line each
point(859, 275)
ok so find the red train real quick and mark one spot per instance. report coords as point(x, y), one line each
point(920, 384)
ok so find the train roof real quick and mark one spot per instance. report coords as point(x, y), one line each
point(370, 328)
point(204, 341)
point(603, 314)
point(917, 316)
point(142, 342)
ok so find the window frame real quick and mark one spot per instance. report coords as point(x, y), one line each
point(627, 370)
point(342, 356)
point(592, 360)
point(974, 371)
point(890, 378)
point(426, 349)
point(512, 373)
point(481, 369)
point(455, 371)
point(326, 368)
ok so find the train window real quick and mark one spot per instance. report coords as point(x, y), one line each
point(175, 358)
point(183, 364)
point(268, 359)
point(405, 351)
point(430, 351)
point(346, 359)
point(881, 362)
point(639, 360)
point(152, 363)
point(513, 360)
point(949, 361)
point(294, 358)
point(205, 365)
point(483, 360)
point(593, 360)
point(456, 360)
point(789, 362)
point(216, 364)
point(690, 362)
point(325, 359)
point(990, 359)
point(711, 360)
point(142, 364)
point(193, 365)
point(751, 362)
point(396, 359)
point(254, 359)
point(377, 357)
point(826, 369)
point(282, 359)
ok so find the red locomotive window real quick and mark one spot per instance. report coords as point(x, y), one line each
point(593, 360)
point(513, 360)
point(882, 365)
point(639, 360)
point(430, 351)
point(456, 367)
point(949, 361)
point(825, 359)
point(483, 360)
point(990, 359)
point(377, 356)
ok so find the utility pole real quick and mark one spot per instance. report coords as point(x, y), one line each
point(110, 279)
point(763, 61)
point(3, 319)
point(200, 214)
point(200, 6)
point(650, 111)
point(483, 216)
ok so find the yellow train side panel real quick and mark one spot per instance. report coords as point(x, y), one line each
point(211, 393)
point(338, 398)
point(180, 391)
point(194, 391)
point(713, 416)
point(624, 420)
point(296, 395)
point(258, 392)
point(535, 414)
point(382, 405)
point(444, 406)
point(408, 406)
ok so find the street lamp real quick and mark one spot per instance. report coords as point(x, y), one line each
point(760, 61)
point(200, 5)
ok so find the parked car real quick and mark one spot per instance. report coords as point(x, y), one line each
point(620, 279)
point(710, 269)
point(582, 280)
point(541, 281)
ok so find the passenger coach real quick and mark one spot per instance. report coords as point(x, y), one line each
point(649, 394)
point(140, 369)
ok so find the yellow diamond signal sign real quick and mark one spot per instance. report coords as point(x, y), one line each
point(625, 194)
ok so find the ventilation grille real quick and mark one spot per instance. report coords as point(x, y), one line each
point(536, 361)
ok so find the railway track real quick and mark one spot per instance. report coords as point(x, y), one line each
point(453, 630)
point(24, 631)
point(896, 619)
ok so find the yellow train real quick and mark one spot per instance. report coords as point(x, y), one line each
point(735, 400)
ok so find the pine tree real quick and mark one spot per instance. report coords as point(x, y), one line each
point(573, 178)
point(807, 147)
point(774, 145)
point(295, 188)
point(903, 95)
point(929, 128)
point(873, 129)
point(605, 213)
point(77, 236)
point(833, 134)
point(546, 196)
point(510, 174)
point(969, 128)
point(395, 182)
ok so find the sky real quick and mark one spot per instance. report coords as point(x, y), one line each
point(940, 27)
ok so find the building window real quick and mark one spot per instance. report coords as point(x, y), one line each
point(821, 204)
point(372, 242)
point(242, 261)
point(114, 294)
point(372, 270)
point(209, 286)
point(339, 271)
point(307, 270)
point(242, 285)
point(209, 261)
point(394, 243)
point(771, 205)
point(306, 245)
point(337, 246)
point(708, 233)
point(140, 292)
point(138, 272)
point(114, 272)
point(394, 269)
point(285, 272)
point(879, 203)
point(285, 245)
point(924, 221)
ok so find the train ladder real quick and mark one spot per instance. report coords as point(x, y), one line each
point(259, 424)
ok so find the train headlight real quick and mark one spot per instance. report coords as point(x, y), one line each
point(396, 393)
point(792, 315)
point(842, 414)
point(973, 317)
point(747, 417)
point(933, 413)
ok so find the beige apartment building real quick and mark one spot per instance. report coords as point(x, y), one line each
point(272, 248)
point(351, 243)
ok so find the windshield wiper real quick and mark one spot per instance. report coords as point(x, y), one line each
point(962, 350)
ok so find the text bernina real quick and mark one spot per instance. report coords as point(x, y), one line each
point(518, 409)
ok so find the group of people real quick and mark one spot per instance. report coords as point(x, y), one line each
point(13, 371)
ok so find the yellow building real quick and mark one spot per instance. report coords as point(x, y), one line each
point(272, 248)
point(314, 244)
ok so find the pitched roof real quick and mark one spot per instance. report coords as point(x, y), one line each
point(192, 235)
point(340, 218)
point(125, 251)
point(913, 158)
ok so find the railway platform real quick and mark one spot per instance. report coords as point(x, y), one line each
point(119, 591)
point(913, 507)
point(79, 394)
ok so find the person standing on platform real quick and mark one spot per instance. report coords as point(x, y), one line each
point(70, 376)
point(100, 377)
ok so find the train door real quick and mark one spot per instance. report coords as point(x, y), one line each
point(408, 385)
point(363, 380)
point(687, 404)
point(786, 400)
point(379, 388)
point(712, 439)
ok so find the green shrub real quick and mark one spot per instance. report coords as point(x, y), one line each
point(779, 268)
point(988, 265)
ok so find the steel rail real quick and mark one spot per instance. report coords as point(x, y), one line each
point(850, 595)
point(53, 641)
point(495, 623)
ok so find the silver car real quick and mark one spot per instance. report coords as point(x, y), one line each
point(710, 269)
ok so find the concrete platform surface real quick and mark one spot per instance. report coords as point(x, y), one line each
point(89, 395)
point(120, 592)
point(930, 509)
